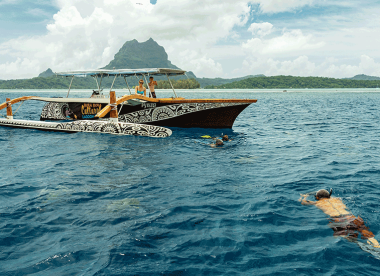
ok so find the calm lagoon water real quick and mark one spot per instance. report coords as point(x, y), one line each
point(92, 204)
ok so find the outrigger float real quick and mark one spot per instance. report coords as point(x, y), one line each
point(111, 126)
point(130, 114)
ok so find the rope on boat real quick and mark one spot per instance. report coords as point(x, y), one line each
point(8, 103)
point(121, 106)
point(113, 106)
point(22, 102)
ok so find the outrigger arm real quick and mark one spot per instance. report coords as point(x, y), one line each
point(111, 126)
point(8, 104)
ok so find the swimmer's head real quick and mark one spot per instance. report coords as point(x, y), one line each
point(219, 142)
point(225, 138)
point(323, 194)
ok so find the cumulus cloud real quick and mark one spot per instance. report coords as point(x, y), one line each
point(87, 33)
point(288, 42)
point(199, 36)
point(261, 29)
point(201, 63)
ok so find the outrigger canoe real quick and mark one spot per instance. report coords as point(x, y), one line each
point(109, 126)
point(130, 114)
point(168, 112)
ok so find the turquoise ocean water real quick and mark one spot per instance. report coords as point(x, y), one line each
point(96, 204)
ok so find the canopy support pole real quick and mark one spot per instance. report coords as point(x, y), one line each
point(171, 85)
point(68, 92)
point(100, 84)
point(113, 83)
point(150, 94)
point(130, 92)
point(97, 83)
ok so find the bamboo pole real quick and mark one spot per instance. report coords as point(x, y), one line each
point(9, 109)
point(113, 104)
point(14, 101)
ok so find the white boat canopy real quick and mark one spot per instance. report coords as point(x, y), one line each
point(124, 72)
point(101, 73)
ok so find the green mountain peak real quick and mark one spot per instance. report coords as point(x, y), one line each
point(134, 55)
point(47, 73)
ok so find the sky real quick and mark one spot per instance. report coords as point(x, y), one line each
point(212, 38)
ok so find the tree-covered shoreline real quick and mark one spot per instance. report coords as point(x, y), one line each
point(257, 82)
point(179, 84)
point(54, 82)
point(288, 82)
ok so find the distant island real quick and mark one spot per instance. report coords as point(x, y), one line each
point(150, 54)
point(288, 82)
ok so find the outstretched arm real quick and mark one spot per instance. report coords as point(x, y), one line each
point(373, 242)
point(304, 201)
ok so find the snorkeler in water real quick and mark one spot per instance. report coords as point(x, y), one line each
point(218, 143)
point(344, 223)
point(225, 138)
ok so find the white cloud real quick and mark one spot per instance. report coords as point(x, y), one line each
point(87, 33)
point(276, 6)
point(302, 66)
point(199, 36)
point(289, 42)
point(201, 63)
point(261, 29)
point(8, 2)
point(38, 12)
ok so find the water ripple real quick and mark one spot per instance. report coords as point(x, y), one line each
point(86, 204)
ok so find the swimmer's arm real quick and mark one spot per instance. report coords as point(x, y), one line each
point(307, 202)
point(374, 242)
point(304, 201)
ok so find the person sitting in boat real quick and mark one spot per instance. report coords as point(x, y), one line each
point(344, 223)
point(140, 90)
point(151, 85)
point(95, 94)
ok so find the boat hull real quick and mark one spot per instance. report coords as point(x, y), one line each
point(170, 113)
point(189, 117)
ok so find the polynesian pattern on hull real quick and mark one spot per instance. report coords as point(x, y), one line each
point(55, 111)
point(116, 128)
point(169, 111)
point(92, 126)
